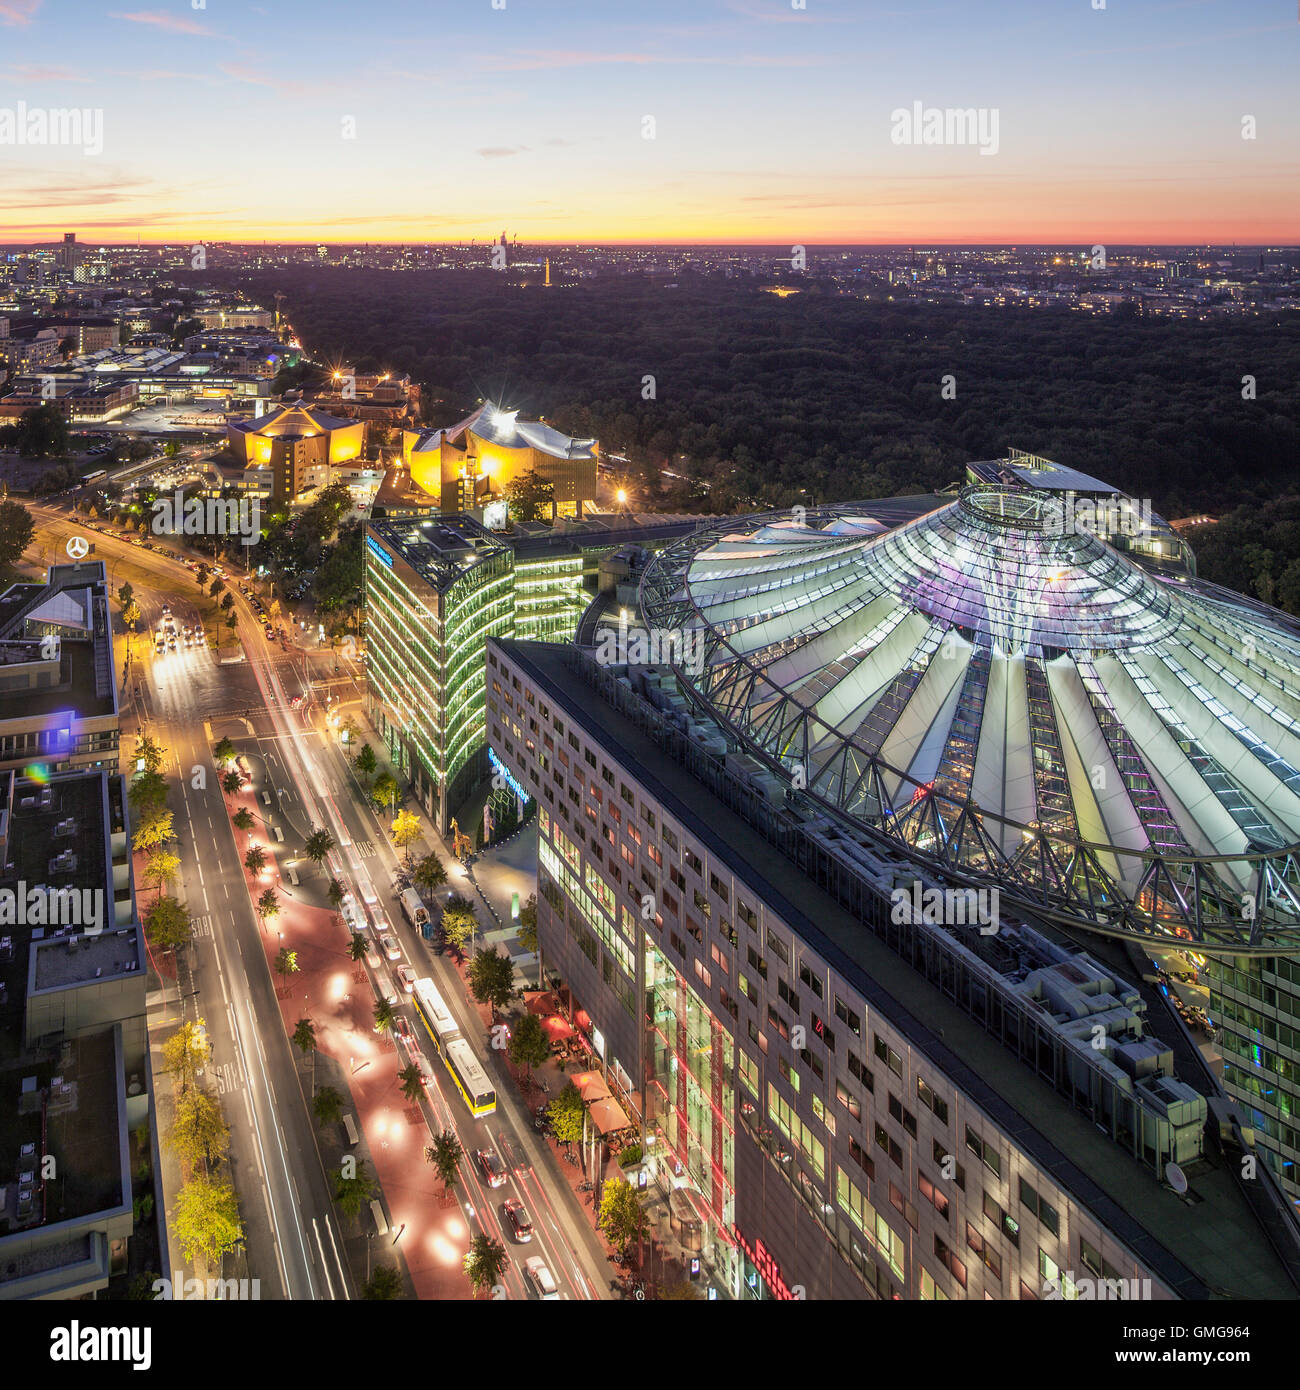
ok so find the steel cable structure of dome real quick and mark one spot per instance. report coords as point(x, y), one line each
point(1012, 701)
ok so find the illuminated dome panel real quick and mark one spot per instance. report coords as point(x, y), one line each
point(1012, 700)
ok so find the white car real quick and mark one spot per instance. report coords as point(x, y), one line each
point(406, 978)
point(541, 1278)
point(391, 949)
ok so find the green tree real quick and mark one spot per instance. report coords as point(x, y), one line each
point(357, 946)
point(160, 867)
point(459, 922)
point(255, 860)
point(679, 1291)
point(406, 830)
point(232, 621)
point(527, 933)
point(207, 1221)
point(385, 1283)
point(365, 761)
point(445, 1153)
point(167, 924)
point(153, 829)
point(319, 844)
point(336, 894)
point(567, 1114)
point(327, 1105)
point(412, 1083)
point(529, 1047)
point(124, 594)
point(286, 962)
point(384, 1016)
point(492, 979)
point(242, 819)
point(149, 751)
point(231, 782)
point(304, 1035)
point(352, 1192)
point(227, 602)
point(224, 751)
point(621, 1216)
point(201, 576)
point(42, 432)
point(385, 791)
point(186, 1052)
point(216, 587)
point(198, 1133)
point(268, 905)
point(16, 530)
point(485, 1262)
point(147, 795)
point(429, 873)
point(530, 497)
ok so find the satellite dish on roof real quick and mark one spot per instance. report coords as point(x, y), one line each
point(1176, 1178)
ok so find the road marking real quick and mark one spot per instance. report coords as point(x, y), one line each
point(366, 849)
point(202, 927)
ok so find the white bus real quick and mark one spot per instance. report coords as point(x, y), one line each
point(413, 909)
point(434, 1013)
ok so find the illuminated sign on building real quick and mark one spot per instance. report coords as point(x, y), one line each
point(379, 551)
point(509, 776)
point(763, 1261)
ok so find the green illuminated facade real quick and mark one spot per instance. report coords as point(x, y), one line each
point(435, 591)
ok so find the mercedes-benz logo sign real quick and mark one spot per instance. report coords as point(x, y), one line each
point(78, 548)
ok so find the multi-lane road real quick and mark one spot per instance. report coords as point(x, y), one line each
point(187, 700)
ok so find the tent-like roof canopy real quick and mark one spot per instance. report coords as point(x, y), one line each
point(1010, 697)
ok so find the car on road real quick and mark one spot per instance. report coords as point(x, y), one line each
point(372, 957)
point(391, 949)
point(493, 1170)
point(515, 1220)
point(514, 1155)
point(406, 978)
point(541, 1278)
point(402, 1026)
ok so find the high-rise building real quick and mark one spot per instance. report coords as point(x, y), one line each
point(434, 592)
point(818, 843)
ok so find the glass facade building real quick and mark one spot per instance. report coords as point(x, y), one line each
point(434, 592)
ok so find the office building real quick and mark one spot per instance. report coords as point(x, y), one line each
point(863, 711)
point(58, 697)
point(434, 591)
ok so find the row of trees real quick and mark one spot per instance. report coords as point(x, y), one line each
point(206, 1220)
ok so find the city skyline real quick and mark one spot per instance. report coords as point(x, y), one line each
point(1107, 125)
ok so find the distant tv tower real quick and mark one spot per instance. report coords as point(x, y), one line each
point(546, 284)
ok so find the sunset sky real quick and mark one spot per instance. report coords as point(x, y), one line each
point(772, 124)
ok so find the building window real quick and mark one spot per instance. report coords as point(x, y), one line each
point(848, 1100)
point(938, 1108)
point(986, 1153)
point(932, 1195)
point(1043, 1210)
point(847, 1016)
point(887, 1055)
point(778, 947)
